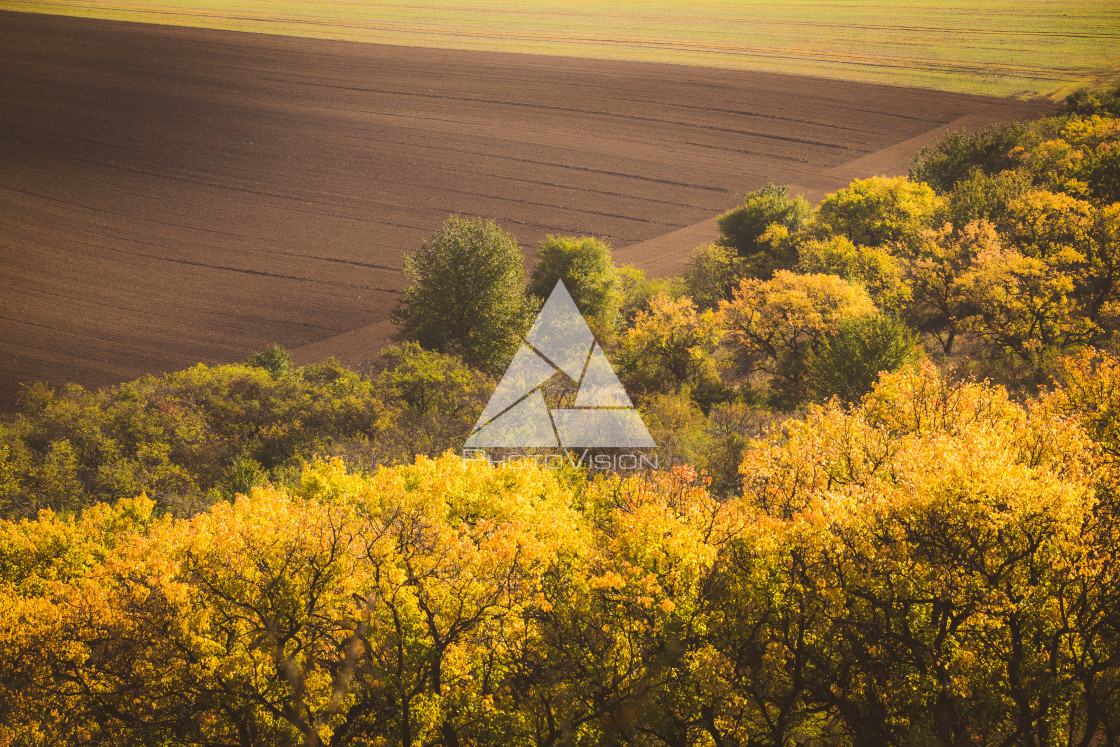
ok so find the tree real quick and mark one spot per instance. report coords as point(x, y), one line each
point(929, 548)
point(624, 631)
point(389, 609)
point(187, 438)
point(434, 400)
point(679, 428)
point(939, 305)
point(670, 347)
point(957, 155)
point(878, 212)
point(986, 197)
point(1024, 307)
point(848, 364)
point(1085, 102)
point(713, 272)
point(743, 228)
point(274, 359)
point(772, 325)
point(637, 292)
point(1028, 297)
point(1077, 156)
point(933, 565)
point(584, 264)
point(875, 268)
point(466, 295)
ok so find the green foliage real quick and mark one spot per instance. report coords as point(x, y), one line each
point(712, 275)
point(635, 291)
point(190, 438)
point(186, 438)
point(584, 264)
point(743, 228)
point(981, 196)
point(433, 401)
point(1075, 154)
point(878, 212)
point(244, 475)
point(679, 428)
point(957, 155)
point(466, 296)
point(848, 364)
point(1085, 102)
point(274, 359)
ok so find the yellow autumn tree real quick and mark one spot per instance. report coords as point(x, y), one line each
point(934, 540)
point(772, 325)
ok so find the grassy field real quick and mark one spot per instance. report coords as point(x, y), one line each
point(1020, 48)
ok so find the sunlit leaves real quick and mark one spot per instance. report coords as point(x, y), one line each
point(773, 325)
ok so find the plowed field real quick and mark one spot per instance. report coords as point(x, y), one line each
point(173, 195)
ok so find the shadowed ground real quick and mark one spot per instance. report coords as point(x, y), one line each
point(173, 195)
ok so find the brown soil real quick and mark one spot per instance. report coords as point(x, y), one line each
point(173, 195)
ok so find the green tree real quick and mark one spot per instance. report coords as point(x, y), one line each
point(1085, 102)
point(274, 359)
point(466, 295)
point(637, 292)
point(678, 427)
point(434, 400)
point(712, 274)
point(584, 264)
point(744, 228)
point(981, 196)
point(848, 364)
point(958, 154)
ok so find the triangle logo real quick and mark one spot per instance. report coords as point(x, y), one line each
point(559, 342)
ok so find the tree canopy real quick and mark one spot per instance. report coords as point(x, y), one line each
point(466, 295)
